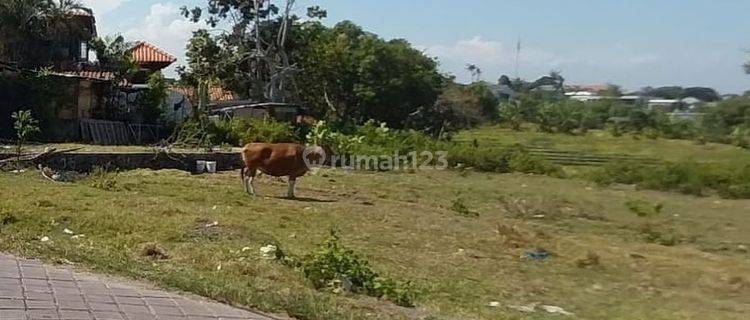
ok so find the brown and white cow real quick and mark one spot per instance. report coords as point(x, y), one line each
point(278, 160)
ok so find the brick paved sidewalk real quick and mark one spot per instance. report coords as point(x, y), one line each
point(30, 290)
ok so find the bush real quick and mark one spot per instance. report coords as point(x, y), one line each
point(339, 269)
point(728, 180)
point(514, 159)
point(459, 207)
point(103, 179)
point(240, 131)
point(323, 134)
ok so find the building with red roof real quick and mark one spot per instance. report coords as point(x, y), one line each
point(151, 57)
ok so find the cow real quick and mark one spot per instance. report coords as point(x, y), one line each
point(278, 160)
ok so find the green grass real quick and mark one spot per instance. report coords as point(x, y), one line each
point(596, 141)
point(685, 262)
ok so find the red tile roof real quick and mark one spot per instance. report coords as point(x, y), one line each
point(591, 88)
point(145, 53)
point(215, 94)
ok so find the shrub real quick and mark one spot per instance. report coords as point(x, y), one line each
point(323, 134)
point(643, 209)
point(459, 207)
point(339, 269)
point(511, 113)
point(514, 159)
point(728, 180)
point(7, 218)
point(240, 131)
point(103, 179)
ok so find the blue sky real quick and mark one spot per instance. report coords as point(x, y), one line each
point(633, 43)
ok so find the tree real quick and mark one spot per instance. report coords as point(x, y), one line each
point(350, 75)
point(31, 27)
point(476, 72)
point(471, 104)
point(673, 92)
point(510, 113)
point(612, 90)
point(205, 58)
point(152, 100)
point(25, 126)
point(260, 65)
point(702, 93)
point(114, 53)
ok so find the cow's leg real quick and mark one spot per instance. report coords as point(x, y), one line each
point(292, 182)
point(249, 181)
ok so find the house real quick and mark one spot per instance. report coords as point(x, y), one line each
point(79, 90)
point(666, 105)
point(583, 96)
point(691, 102)
point(188, 98)
point(70, 52)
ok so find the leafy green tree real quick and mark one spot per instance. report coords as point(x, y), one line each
point(702, 93)
point(205, 59)
point(30, 28)
point(350, 75)
point(612, 90)
point(362, 76)
point(152, 100)
point(561, 117)
point(673, 92)
point(510, 113)
point(114, 53)
point(472, 104)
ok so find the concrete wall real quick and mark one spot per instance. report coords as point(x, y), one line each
point(84, 162)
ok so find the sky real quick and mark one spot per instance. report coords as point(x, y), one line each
point(634, 43)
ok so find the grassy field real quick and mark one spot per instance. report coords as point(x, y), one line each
point(602, 142)
point(616, 253)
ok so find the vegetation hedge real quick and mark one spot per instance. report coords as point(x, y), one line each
point(731, 181)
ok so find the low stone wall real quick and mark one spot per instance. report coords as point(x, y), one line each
point(85, 161)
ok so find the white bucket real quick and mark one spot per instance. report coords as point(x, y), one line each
point(211, 166)
point(200, 166)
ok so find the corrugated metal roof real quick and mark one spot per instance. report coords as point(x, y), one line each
point(85, 74)
point(92, 75)
point(144, 52)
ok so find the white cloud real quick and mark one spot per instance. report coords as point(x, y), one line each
point(496, 58)
point(167, 29)
point(101, 7)
point(493, 57)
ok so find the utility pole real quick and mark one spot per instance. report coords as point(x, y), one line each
point(518, 56)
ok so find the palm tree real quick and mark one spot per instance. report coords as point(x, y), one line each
point(476, 72)
point(27, 25)
point(21, 21)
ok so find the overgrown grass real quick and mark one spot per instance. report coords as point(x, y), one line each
point(602, 142)
point(728, 181)
point(203, 234)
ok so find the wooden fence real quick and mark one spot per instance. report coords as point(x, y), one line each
point(106, 132)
